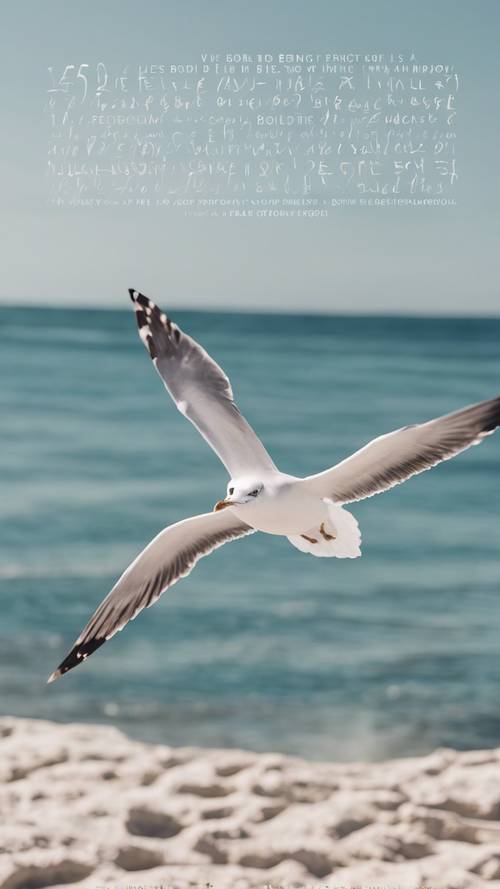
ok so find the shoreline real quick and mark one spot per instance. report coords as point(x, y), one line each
point(82, 804)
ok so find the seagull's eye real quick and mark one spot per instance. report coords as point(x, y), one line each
point(254, 493)
point(231, 491)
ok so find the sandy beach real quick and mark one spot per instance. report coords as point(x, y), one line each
point(85, 805)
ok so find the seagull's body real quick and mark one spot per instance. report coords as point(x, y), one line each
point(286, 506)
point(309, 511)
point(282, 507)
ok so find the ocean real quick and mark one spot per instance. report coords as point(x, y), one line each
point(261, 647)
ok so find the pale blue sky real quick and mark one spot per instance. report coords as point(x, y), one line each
point(400, 260)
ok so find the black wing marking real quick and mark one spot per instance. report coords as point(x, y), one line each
point(200, 389)
point(393, 458)
point(170, 556)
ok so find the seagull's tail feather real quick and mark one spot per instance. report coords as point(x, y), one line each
point(339, 536)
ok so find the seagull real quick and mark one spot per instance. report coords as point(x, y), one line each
point(309, 511)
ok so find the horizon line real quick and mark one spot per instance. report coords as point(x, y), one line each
point(242, 310)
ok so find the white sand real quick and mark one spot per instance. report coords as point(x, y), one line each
point(83, 804)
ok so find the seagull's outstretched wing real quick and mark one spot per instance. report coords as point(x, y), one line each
point(200, 389)
point(170, 556)
point(390, 459)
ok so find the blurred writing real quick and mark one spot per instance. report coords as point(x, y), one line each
point(254, 134)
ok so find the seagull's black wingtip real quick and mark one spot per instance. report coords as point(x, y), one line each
point(53, 676)
point(137, 297)
point(492, 419)
point(77, 655)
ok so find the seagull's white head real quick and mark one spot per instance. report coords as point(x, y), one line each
point(239, 493)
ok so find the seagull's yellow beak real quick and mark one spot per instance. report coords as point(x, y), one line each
point(221, 504)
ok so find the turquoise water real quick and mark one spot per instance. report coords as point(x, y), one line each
point(261, 646)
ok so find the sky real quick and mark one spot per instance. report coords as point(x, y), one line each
point(405, 260)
